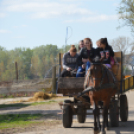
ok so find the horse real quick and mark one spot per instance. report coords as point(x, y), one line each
point(100, 85)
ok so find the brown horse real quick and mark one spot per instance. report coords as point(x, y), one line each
point(100, 85)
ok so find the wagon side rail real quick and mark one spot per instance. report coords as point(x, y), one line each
point(128, 84)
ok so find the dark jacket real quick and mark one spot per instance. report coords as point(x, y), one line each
point(107, 52)
point(69, 61)
point(84, 53)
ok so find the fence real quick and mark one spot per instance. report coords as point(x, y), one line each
point(26, 86)
point(27, 71)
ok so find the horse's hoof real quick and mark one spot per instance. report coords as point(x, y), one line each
point(103, 132)
point(96, 132)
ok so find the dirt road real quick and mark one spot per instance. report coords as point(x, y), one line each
point(86, 128)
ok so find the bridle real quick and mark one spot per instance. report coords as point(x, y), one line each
point(103, 71)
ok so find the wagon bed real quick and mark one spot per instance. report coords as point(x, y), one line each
point(73, 85)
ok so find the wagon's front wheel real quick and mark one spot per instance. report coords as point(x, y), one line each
point(123, 108)
point(67, 115)
point(114, 114)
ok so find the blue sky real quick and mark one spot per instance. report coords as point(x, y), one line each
point(31, 23)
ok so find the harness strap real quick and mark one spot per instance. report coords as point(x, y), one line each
point(104, 86)
point(103, 76)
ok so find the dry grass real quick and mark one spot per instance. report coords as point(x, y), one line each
point(41, 96)
point(38, 96)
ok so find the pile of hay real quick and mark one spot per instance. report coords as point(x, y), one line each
point(41, 96)
point(38, 96)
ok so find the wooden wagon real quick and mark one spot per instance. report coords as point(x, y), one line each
point(69, 86)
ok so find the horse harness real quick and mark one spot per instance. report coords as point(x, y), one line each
point(101, 85)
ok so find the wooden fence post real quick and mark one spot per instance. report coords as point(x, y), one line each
point(16, 71)
point(59, 64)
point(54, 80)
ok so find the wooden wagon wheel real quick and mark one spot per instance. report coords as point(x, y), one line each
point(123, 108)
point(81, 117)
point(114, 114)
point(67, 115)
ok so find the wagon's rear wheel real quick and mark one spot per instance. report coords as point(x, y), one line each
point(81, 116)
point(123, 108)
point(114, 114)
point(67, 115)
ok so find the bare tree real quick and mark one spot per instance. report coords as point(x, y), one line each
point(126, 13)
point(126, 45)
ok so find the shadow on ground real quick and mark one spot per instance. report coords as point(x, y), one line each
point(124, 127)
point(13, 106)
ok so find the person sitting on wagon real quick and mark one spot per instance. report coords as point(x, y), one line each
point(80, 69)
point(81, 45)
point(112, 59)
point(86, 56)
point(69, 62)
point(105, 52)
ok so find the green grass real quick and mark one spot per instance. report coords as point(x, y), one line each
point(19, 120)
point(13, 105)
point(41, 103)
point(25, 121)
point(25, 105)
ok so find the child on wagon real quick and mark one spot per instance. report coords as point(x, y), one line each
point(105, 52)
point(99, 48)
point(85, 57)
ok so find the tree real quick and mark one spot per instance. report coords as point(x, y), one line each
point(35, 65)
point(125, 45)
point(126, 13)
point(32, 63)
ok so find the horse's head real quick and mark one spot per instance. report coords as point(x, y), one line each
point(94, 76)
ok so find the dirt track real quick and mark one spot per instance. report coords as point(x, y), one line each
point(86, 128)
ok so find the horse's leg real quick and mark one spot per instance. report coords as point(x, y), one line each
point(105, 115)
point(96, 118)
point(95, 111)
point(107, 120)
point(95, 115)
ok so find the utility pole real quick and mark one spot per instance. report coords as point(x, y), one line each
point(66, 37)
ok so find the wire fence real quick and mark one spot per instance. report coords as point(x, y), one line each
point(27, 71)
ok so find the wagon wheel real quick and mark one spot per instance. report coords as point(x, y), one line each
point(123, 108)
point(81, 116)
point(114, 114)
point(67, 115)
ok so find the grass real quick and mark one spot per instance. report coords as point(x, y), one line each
point(25, 121)
point(13, 105)
point(19, 120)
point(24, 104)
point(41, 103)
point(6, 96)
